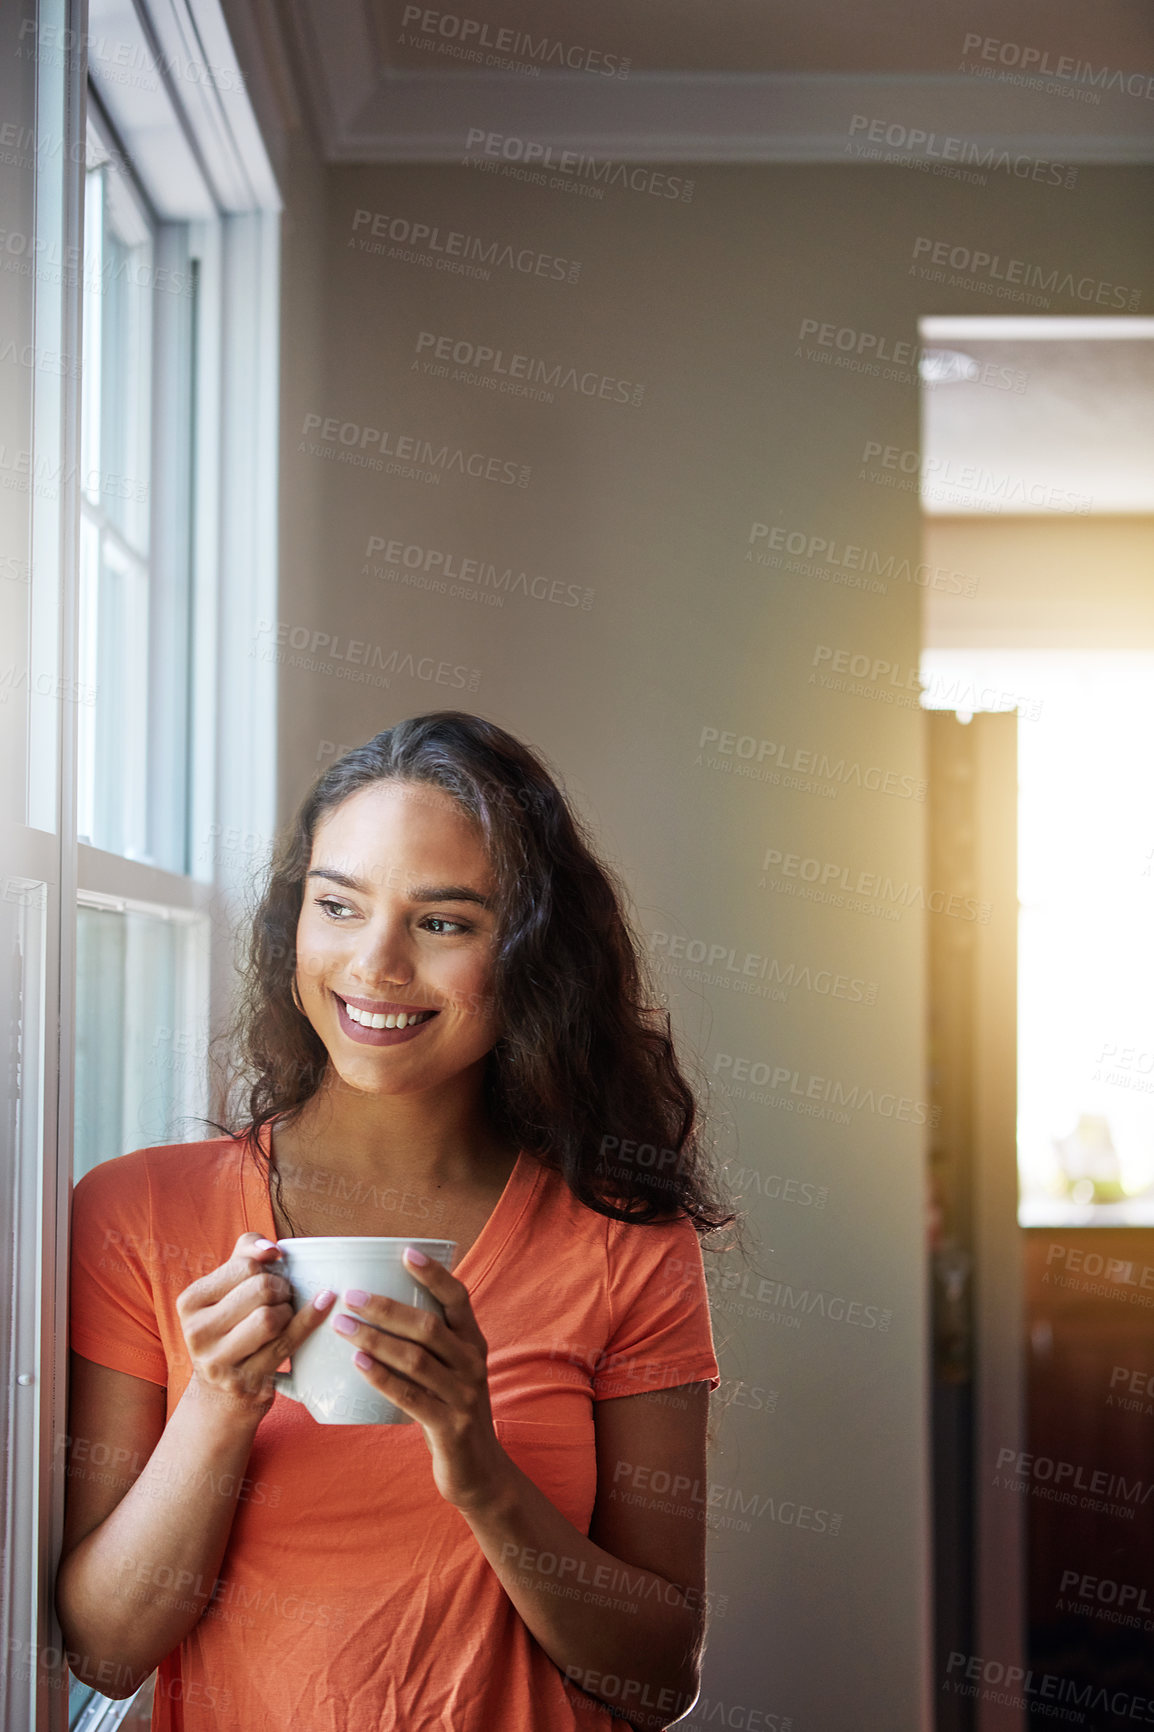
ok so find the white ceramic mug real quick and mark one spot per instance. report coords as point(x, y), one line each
point(323, 1377)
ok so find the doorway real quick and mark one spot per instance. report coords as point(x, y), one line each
point(1038, 487)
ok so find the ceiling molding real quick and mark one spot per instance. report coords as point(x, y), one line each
point(338, 61)
point(950, 121)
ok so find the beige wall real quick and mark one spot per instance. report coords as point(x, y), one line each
point(647, 512)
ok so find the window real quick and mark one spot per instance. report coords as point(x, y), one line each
point(142, 980)
point(141, 1027)
point(137, 554)
point(1085, 870)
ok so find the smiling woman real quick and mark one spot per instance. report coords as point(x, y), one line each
point(444, 1030)
point(410, 864)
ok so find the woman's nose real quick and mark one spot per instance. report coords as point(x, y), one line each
point(385, 954)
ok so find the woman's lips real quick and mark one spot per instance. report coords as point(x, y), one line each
point(378, 1036)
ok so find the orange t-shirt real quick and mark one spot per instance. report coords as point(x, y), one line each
point(351, 1595)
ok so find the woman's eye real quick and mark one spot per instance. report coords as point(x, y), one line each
point(437, 923)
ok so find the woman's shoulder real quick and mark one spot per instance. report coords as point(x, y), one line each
point(176, 1171)
point(571, 1215)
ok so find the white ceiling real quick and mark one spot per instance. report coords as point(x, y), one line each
point(1047, 428)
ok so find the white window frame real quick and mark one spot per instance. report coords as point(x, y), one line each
point(207, 174)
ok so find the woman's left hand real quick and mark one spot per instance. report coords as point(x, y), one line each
point(437, 1372)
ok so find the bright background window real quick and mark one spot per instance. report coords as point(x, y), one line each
point(1086, 921)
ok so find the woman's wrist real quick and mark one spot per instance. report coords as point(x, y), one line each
point(223, 1410)
point(495, 1492)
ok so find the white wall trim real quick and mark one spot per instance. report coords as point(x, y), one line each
point(1046, 328)
point(245, 699)
point(166, 72)
point(109, 878)
point(426, 116)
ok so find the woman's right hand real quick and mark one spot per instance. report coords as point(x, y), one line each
point(239, 1325)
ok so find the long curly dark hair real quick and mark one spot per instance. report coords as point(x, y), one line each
point(584, 1074)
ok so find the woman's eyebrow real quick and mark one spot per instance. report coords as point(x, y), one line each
point(420, 893)
point(449, 893)
point(336, 877)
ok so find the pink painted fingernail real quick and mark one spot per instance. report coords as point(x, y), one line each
point(324, 1299)
point(354, 1296)
point(361, 1360)
point(415, 1256)
point(345, 1325)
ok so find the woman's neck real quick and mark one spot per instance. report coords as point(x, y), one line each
point(430, 1138)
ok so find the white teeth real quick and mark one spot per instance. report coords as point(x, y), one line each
point(377, 1019)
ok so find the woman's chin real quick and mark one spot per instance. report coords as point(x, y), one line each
point(366, 1081)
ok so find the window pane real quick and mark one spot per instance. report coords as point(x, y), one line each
point(113, 732)
point(118, 279)
point(120, 612)
point(141, 1049)
point(137, 487)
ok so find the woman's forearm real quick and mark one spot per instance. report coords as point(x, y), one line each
point(597, 1618)
point(131, 1590)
